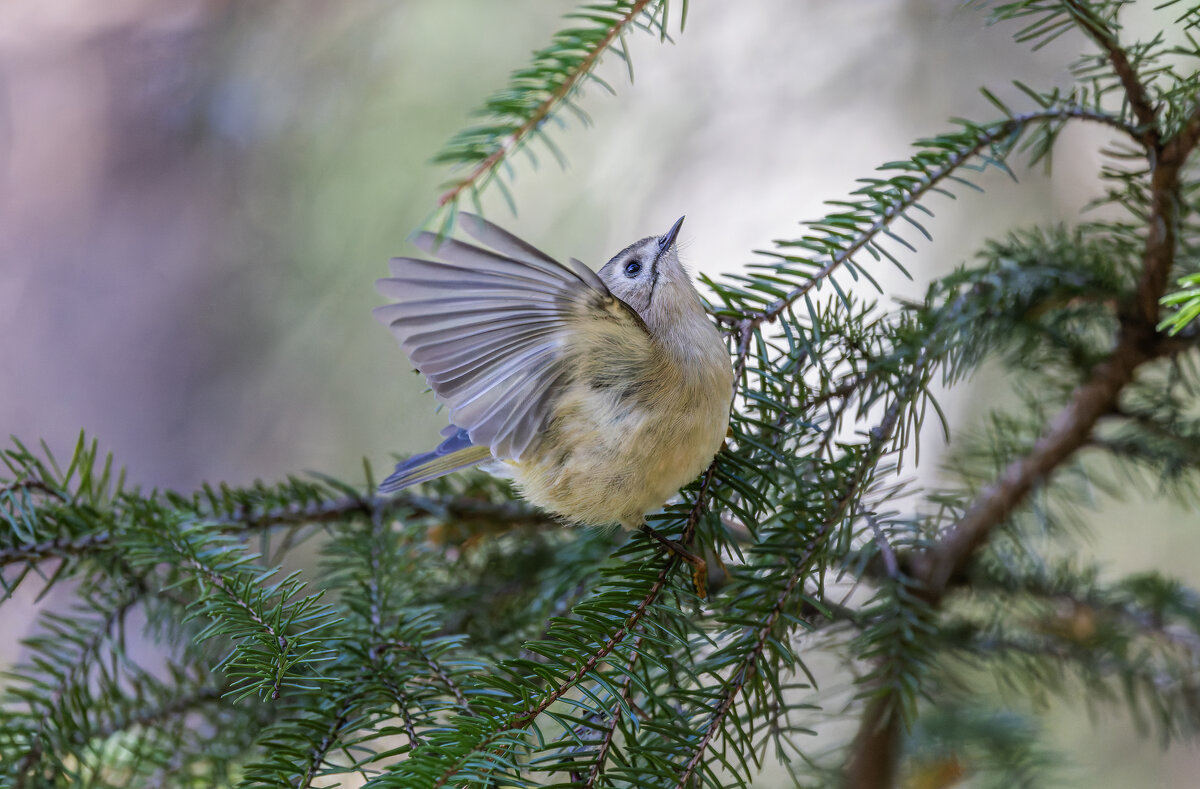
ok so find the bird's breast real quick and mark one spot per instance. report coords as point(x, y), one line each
point(619, 447)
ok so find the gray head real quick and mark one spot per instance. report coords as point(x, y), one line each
point(647, 274)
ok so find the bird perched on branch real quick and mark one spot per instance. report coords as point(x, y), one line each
point(599, 393)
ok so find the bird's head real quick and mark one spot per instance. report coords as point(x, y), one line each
point(647, 270)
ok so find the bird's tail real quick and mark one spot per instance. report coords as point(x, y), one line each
point(456, 452)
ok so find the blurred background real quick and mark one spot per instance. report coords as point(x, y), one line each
point(197, 195)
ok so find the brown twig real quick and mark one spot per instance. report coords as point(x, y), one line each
point(881, 438)
point(1135, 90)
point(874, 754)
point(510, 514)
point(926, 184)
point(611, 731)
point(526, 716)
point(34, 485)
point(543, 110)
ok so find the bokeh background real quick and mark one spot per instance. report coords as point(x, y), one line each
point(196, 196)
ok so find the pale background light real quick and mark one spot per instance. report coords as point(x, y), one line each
point(196, 195)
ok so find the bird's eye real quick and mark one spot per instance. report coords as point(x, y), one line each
point(633, 268)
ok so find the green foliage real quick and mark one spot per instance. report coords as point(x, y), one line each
point(453, 637)
point(537, 95)
point(1186, 302)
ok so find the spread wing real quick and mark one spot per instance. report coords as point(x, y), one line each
point(492, 330)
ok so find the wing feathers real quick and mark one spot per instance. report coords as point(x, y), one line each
point(501, 240)
point(491, 330)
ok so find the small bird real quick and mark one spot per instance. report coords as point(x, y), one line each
point(599, 393)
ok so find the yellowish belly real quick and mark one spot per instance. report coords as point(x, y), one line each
point(604, 461)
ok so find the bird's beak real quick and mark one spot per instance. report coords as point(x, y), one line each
point(666, 241)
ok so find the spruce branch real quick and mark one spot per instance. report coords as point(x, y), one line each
point(436, 670)
point(1096, 28)
point(250, 519)
point(874, 754)
point(57, 548)
point(315, 758)
point(1137, 343)
point(36, 485)
point(158, 714)
point(412, 690)
point(886, 201)
point(75, 675)
point(610, 729)
point(881, 438)
point(536, 93)
point(741, 674)
point(524, 717)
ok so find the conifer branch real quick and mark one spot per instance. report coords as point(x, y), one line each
point(1135, 90)
point(403, 705)
point(881, 438)
point(610, 730)
point(77, 672)
point(152, 716)
point(437, 670)
point(529, 714)
point(1137, 342)
point(57, 548)
point(525, 717)
point(913, 190)
point(737, 682)
point(32, 485)
point(567, 83)
point(316, 757)
point(505, 515)
point(420, 694)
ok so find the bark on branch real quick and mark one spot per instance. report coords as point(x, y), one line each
point(874, 754)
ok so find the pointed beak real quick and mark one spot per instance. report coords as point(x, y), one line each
point(666, 241)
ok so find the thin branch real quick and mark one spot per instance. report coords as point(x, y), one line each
point(1135, 89)
point(881, 437)
point(1137, 343)
point(1146, 622)
point(526, 716)
point(746, 665)
point(375, 615)
point(402, 704)
point(58, 548)
point(32, 484)
point(507, 514)
point(152, 716)
point(319, 752)
point(543, 110)
point(926, 184)
point(611, 730)
point(335, 510)
point(875, 748)
point(436, 670)
point(79, 670)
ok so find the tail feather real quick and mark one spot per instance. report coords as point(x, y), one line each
point(456, 452)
